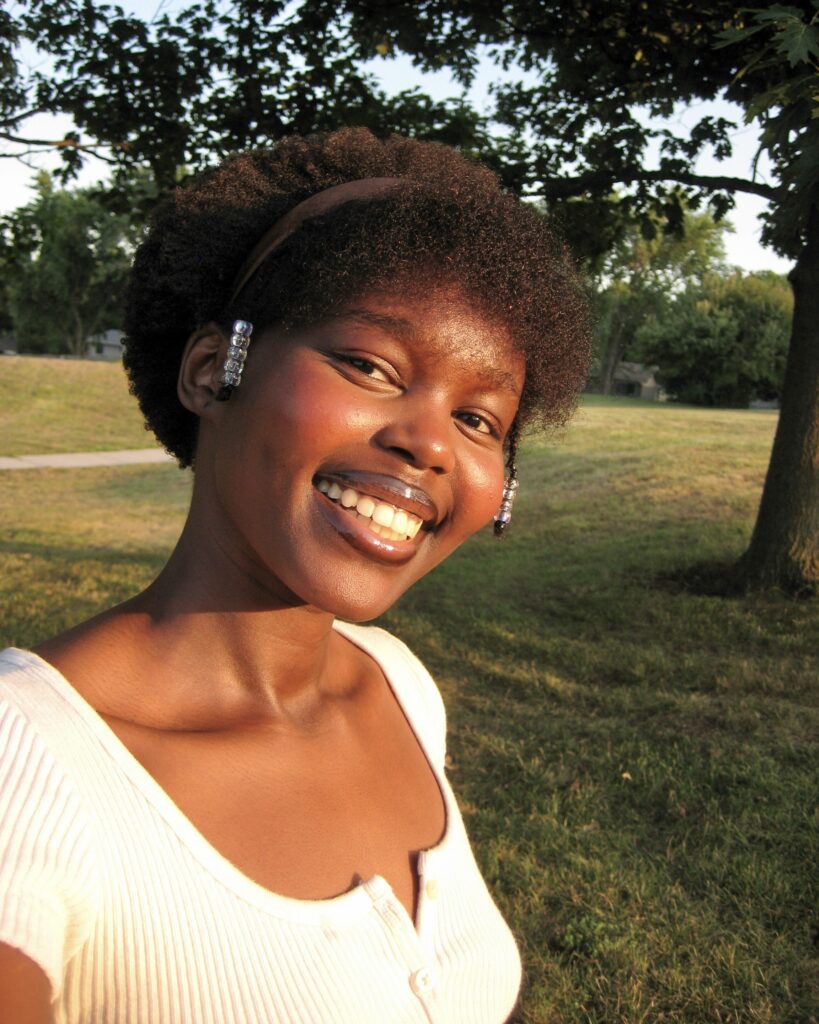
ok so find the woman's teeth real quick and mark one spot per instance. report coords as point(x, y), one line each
point(383, 519)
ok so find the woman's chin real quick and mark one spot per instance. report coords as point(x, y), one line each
point(355, 607)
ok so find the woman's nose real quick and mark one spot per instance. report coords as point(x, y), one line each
point(423, 437)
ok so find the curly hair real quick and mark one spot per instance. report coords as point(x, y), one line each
point(452, 226)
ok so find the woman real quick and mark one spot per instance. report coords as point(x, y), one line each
point(236, 810)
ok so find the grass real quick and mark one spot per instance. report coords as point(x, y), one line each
point(636, 763)
point(65, 405)
point(75, 542)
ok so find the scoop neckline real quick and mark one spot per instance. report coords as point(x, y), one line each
point(343, 908)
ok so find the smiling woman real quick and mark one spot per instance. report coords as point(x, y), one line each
point(344, 337)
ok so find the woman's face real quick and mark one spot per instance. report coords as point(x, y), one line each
point(358, 453)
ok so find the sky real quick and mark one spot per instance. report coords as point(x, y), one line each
point(742, 245)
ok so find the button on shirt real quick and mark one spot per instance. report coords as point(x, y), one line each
point(421, 982)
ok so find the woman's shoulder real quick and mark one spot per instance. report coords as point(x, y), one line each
point(30, 701)
point(48, 867)
point(39, 710)
point(26, 680)
point(32, 686)
point(42, 713)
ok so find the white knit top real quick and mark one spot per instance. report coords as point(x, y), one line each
point(137, 919)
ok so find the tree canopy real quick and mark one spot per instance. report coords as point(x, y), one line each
point(183, 89)
point(64, 260)
point(598, 84)
point(723, 340)
point(605, 77)
point(638, 278)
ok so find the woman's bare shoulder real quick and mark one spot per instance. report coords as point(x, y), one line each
point(96, 657)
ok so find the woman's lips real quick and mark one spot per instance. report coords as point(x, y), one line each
point(390, 489)
point(348, 524)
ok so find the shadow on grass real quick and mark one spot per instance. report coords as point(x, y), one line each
point(48, 588)
point(720, 578)
point(152, 558)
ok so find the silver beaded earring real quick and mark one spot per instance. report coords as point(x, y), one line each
point(511, 484)
point(504, 514)
point(234, 362)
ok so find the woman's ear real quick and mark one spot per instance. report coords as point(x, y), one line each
point(200, 369)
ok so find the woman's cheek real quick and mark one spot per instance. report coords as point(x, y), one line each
point(480, 491)
point(316, 411)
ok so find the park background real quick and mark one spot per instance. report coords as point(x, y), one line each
point(633, 728)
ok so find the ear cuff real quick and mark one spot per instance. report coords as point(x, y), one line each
point(235, 360)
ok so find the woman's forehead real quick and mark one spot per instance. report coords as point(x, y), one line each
point(442, 325)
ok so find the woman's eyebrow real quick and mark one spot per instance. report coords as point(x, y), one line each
point(398, 326)
point(404, 330)
point(500, 380)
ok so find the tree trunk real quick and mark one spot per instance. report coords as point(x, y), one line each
point(611, 359)
point(784, 548)
point(78, 342)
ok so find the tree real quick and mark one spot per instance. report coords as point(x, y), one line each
point(723, 341)
point(64, 259)
point(638, 277)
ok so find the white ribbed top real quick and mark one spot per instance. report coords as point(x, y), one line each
point(137, 919)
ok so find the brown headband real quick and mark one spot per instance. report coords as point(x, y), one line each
point(318, 203)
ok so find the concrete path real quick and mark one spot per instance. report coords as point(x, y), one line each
point(82, 460)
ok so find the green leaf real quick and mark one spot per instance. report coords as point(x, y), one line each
point(799, 43)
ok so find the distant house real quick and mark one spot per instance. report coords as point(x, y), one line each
point(631, 380)
point(107, 345)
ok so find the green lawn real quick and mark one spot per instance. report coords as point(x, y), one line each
point(66, 405)
point(636, 763)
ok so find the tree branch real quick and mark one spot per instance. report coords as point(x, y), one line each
point(561, 187)
point(15, 119)
point(92, 148)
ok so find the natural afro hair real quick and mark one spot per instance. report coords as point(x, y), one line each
point(452, 225)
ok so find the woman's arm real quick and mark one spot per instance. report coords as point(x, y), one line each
point(25, 992)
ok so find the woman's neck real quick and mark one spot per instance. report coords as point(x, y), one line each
point(207, 645)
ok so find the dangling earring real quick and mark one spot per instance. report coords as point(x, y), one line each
point(235, 360)
point(504, 514)
point(510, 487)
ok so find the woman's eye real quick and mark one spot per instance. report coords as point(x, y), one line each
point(365, 366)
point(476, 422)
